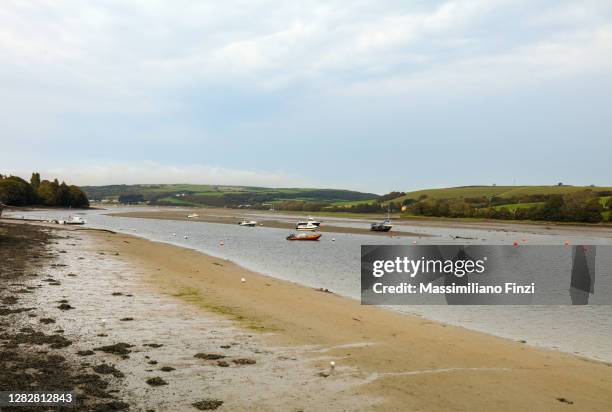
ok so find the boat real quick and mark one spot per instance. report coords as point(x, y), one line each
point(193, 216)
point(74, 220)
point(308, 224)
point(248, 223)
point(383, 226)
point(304, 236)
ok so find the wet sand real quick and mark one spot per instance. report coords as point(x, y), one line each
point(399, 360)
point(194, 304)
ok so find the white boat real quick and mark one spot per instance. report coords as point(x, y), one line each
point(74, 220)
point(248, 223)
point(308, 224)
point(307, 227)
point(193, 216)
point(383, 226)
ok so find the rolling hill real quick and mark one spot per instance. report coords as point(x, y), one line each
point(219, 195)
point(505, 192)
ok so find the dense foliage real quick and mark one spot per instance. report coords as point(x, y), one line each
point(581, 206)
point(15, 191)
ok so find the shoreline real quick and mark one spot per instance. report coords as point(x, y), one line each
point(401, 226)
point(379, 344)
point(396, 359)
point(271, 222)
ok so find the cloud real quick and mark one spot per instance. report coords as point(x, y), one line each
point(151, 172)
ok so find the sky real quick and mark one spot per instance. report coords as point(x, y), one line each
point(371, 95)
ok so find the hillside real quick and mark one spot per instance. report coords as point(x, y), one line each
point(220, 195)
point(504, 192)
point(589, 204)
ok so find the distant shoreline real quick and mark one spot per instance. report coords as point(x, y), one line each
point(233, 216)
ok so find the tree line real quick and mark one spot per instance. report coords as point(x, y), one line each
point(580, 206)
point(15, 191)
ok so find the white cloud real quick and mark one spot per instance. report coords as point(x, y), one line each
point(151, 172)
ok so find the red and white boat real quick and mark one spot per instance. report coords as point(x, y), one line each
point(304, 236)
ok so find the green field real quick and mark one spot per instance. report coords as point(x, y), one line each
point(511, 207)
point(497, 191)
point(224, 195)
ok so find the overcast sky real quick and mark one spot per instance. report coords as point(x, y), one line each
point(369, 95)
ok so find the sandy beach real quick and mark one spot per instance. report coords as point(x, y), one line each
point(266, 330)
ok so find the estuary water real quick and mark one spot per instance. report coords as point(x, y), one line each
point(334, 263)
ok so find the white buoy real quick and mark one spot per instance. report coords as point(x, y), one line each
point(333, 239)
point(242, 280)
point(174, 234)
point(186, 237)
point(332, 364)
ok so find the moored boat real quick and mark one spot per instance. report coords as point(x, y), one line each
point(75, 220)
point(248, 223)
point(304, 236)
point(308, 224)
point(383, 226)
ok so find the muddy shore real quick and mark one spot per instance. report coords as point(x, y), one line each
point(211, 326)
point(35, 355)
point(233, 217)
point(402, 227)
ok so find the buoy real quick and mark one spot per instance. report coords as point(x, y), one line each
point(242, 280)
point(221, 243)
point(174, 234)
point(333, 239)
point(566, 243)
point(332, 364)
point(515, 243)
point(414, 242)
point(186, 237)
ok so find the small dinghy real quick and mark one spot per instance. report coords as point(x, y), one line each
point(304, 236)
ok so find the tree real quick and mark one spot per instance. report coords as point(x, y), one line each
point(35, 181)
point(15, 191)
point(581, 206)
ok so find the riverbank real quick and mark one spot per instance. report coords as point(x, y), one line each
point(402, 227)
point(401, 359)
point(192, 303)
point(233, 217)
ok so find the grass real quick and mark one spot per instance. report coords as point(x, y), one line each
point(499, 191)
point(348, 203)
point(514, 206)
point(194, 297)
